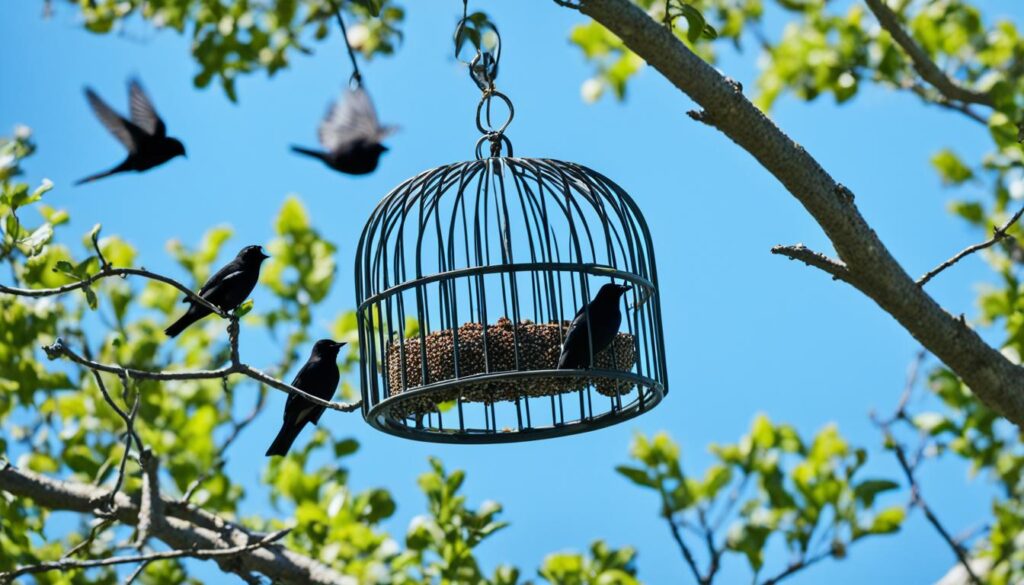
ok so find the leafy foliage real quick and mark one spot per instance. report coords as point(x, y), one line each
point(237, 37)
point(771, 485)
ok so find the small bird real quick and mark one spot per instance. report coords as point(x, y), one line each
point(145, 135)
point(319, 377)
point(351, 135)
point(605, 316)
point(226, 289)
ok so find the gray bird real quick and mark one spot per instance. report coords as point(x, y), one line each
point(351, 135)
point(145, 135)
point(604, 316)
point(319, 377)
point(226, 289)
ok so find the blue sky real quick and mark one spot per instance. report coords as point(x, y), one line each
point(748, 332)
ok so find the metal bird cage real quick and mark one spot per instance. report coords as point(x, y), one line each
point(467, 277)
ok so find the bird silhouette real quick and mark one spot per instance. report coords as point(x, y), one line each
point(603, 313)
point(144, 135)
point(226, 289)
point(350, 135)
point(319, 377)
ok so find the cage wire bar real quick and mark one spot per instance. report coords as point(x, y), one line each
point(467, 276)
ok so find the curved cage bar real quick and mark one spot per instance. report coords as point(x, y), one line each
point(467, 277)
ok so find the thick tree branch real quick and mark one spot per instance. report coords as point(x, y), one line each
point(923, 64)
point(995, 380)
point(184, 529)
point(998, 234)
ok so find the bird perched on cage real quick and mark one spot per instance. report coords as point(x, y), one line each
point(144, 135)
point(351, 135)
point(226, 289)
point(596, 324)
point(319, 377)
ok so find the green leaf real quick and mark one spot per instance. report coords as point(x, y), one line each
point(952, 170)
point(695, 21)
point(245, 308)
point(637, 476)
point(888, 520)
point(867, 490)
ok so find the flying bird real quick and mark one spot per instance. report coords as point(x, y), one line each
point(144, 135)
point(603, 313)
point(351, 135)
point(319, 377)
point(226, 289)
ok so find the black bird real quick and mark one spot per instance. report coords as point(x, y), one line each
point(351, 135)
point(226, 289)
point(605, 316)
point(318, 377)
point(145, 135)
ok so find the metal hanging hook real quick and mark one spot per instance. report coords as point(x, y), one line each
point(483, 70)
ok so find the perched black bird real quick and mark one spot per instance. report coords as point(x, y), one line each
point(226, 289)
point(351, 135)
point(145, 135)
point(605, 316)
point(318, 377)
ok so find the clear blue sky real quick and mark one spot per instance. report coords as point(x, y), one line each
point(749, 332)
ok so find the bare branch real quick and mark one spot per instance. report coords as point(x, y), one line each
point(59, 349)
point(800, 565)
point(108, 272)
point(925, 67)
point(66, 564)
point(997, 235)
point(151, 511)
point(836, 268)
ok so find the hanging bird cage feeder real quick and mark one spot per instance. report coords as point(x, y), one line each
point(467, 278)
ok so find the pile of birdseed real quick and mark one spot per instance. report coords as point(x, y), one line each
point(539, 347)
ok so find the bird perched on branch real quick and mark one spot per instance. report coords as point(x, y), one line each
point(596, 324)
point(351, 135)
point(319, 377)
point(144, 135)
point(226, 289)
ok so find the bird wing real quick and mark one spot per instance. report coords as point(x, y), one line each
point(297, 408)
point(125, 131)
point(143, 113)
point(231, 271)
point(349, 120)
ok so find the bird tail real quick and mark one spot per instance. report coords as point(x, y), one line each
point(308, 152)
point(283, 442)
point(193, 314)
point(97, 176)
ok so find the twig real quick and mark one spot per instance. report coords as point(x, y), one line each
point(923, 64)
point(151, 512)
point(799, 566)
point(65, 564)
point(997, 235)
point(918, 500)
point(107, 273)
point(687, 554)
point(936, 98)
point(93, 533)
point(59, 348)
point(836, 268)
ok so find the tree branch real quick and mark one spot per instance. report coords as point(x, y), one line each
point(923, 64)
point(185, 529)
point(994, 379)
point(997, 235)
point(65, 564)
point(818, 260)
point(108, 272)
point(60, 349)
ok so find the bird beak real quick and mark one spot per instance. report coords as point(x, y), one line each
point(626, 288)
point(264, 254)
point(339, 344)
